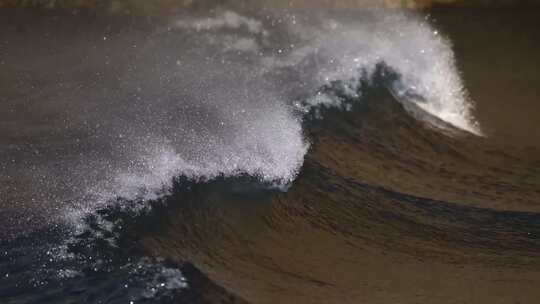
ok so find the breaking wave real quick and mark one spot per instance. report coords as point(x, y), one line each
point(201, 99)
point(224, 95)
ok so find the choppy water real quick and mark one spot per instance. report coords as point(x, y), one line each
point(255, 156)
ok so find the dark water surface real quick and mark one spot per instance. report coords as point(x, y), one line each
point(270, 157)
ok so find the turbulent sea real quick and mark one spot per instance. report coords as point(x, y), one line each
point(269, 155)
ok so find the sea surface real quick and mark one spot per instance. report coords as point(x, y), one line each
point(252, 154)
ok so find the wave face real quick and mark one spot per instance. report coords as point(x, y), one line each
point(121, 137)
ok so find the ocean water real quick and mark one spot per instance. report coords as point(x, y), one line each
point(233, 155)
